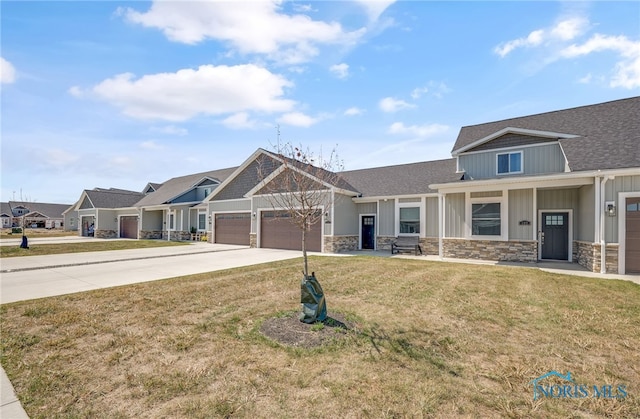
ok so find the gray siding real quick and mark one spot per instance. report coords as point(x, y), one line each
point(550, 199)
point(368, 208)
point(431, 229)
point(613, 187)
point(243, 205)
point(454, 219)
point(105, 220)
point(521, 209)
point(510, 140)
point(386, 217)
point(152, 220)
point(189, 196)
point(345, 216)
point(586, 221)
point(536, 160)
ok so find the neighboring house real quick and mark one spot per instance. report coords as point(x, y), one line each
point(109, 213)
point(71, 220)
point(562, 186)
point(38, 214)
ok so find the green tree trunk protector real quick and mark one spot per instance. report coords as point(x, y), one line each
point(314, 308)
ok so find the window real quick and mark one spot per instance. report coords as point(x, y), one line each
point(170, 221)
point(202, 221)
point(485, 219)
point(410, 220)
point(207, 191)
point(509, 163)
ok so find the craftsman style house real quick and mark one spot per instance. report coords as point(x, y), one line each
point(562, 186)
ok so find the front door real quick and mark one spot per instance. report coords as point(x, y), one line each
point(555, 235)
point(368, 232)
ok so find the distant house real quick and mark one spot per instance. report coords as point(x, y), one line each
point(556, 186)
point(34, 214)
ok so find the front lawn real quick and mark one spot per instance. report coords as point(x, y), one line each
point(71, 247)
point(425, 339)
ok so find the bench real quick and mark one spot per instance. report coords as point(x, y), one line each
point(406, 243)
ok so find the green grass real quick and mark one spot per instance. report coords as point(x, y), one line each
point(430, 340)
point(53, 249)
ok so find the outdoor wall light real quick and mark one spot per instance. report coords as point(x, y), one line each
point(254, 215)
point(209, 219)
point(610, 207)
point(115, 220)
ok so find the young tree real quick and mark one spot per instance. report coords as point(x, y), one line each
point(302, 184)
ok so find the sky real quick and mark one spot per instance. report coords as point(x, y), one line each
point(118, 94)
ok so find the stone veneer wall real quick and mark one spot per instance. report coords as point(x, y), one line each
point(150, 234)
point(384, 242)
point(253, 240)
point(106, 234)
point(589, 255)
point(183, 236)
point(430, 246)
point(338, 244)
point(507, 251)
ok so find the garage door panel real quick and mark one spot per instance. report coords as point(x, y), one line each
point(129, 227)
point(233, 228)
point(632, 242)
point(277, 231)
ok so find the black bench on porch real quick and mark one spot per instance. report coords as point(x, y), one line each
point(406, 243)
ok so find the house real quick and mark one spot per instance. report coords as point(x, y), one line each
point(71, 220)
point(558, 186)
point(33, 214)
point(561, 185)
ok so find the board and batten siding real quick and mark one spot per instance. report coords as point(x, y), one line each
point(586, 220)
point(560, 199)
point(454, 219)
point(235, 205)
point(386, 214)
point(431, 229)
point(152, 220)
point(521, 209)
point(538, 160)
point(368, 208)
point(612, 189)
point(345, 217)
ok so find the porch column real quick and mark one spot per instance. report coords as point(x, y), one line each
point(441, 219)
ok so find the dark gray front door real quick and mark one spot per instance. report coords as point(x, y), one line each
point(368, 232)
point(555, 235)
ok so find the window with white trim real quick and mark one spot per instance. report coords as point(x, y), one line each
point(508, 163)
point(170, 221)
point(486, 219)
point(202, 221)
point(409, 220)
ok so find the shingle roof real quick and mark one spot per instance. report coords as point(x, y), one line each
point(46, 209)
point(5, 208)
point(113, 198)
point(404, 179)
point(179, 185)
point(608, 133)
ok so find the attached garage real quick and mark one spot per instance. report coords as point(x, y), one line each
point(278, 232)
point(632, 243)
point(129, 227)
point(233, 228)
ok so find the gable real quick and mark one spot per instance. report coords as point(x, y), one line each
point(247, 178)
point(86, 203)
point(286, 182)
point(207, 181)
point(511, 140)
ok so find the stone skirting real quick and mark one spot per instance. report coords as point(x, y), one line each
point(253, 240)
point(106, 234)
point(384, 242)
point(338, 244)
point(505, 251)
point(180, 236)
point(150, 234)
point(589, 254)
point(430, 245)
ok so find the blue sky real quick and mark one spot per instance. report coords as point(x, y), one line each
point(118, 94)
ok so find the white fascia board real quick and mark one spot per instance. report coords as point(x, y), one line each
point(520, 182)
point(203, 178)
point(511, 130)
point(369, 199)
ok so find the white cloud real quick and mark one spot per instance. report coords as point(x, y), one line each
point(626, 72)
point(7, 72)
point(297, 119)
point(341, 71)
point(419, 91)
point(422, 131)
point(565, 30)
point(208, 90)
point(353, 111)
point(171, 130)
point(150, 145)
point(256, 27)
point(239, 120)
point(389, 104)
point(375, 8)
point(60, 158)
point(586, 79)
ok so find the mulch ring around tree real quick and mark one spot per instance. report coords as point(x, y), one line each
point(290, 331)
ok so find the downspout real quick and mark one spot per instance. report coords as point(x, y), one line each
point(440, 224)
point(603, 241)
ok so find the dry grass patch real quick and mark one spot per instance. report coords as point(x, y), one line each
point(57, 248)
point(424, 339)
point(7, 233)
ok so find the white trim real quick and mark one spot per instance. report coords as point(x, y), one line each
point(421, 205)
point(239, 170)
point(371, 199)
point(504, 215)
point(570, 233)
point(507, 149)
point(519, 182)
point(622, 228)
point(509, 153)
point(511, 130)
point(375, 230)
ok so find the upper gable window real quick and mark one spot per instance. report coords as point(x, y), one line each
point(509, 163)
